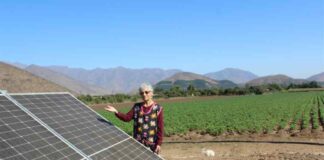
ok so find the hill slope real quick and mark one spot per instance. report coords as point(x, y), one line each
point(276, 79)
point(318, 77)
point(61, 79)
point(16, 80)
point(232, 74)
point(184, 79)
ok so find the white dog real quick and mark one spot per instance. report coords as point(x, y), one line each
point(208, 152)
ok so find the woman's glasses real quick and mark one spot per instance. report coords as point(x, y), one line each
point(145, 92)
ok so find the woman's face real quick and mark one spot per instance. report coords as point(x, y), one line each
point(146, 94)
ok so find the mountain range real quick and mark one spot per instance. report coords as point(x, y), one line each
point(276, 79)
point(63, 80)
point(124, 80)
point(184, 79)
point(13, 79)
point(116, 80)
point(237, 76)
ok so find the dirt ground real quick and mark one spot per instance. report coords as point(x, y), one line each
point(242, 151)
point(276, 146)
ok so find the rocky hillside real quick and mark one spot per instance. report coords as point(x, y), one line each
point(16, 80)
point(67, 82)
point(184, 79)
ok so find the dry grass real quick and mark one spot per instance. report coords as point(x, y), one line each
point(16, 80)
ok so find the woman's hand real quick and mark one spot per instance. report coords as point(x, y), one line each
point(157, 149)
point(111, 109)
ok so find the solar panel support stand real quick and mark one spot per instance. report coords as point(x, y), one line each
point(5, 93)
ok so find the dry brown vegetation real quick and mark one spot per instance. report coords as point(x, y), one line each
point(16, 80)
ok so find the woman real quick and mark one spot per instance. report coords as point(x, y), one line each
point(148, 119)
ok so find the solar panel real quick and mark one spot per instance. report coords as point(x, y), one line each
point(22, 137)
point(82, 127)
point(129, 146)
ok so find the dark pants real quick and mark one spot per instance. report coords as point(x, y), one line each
point(152, 146)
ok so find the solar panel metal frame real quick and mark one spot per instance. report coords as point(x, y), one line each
point(36, 119)
point(84, 154)
point(75, 138)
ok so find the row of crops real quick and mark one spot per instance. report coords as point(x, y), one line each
point(242, 114)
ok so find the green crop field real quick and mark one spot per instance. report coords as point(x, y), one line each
point(243, 114)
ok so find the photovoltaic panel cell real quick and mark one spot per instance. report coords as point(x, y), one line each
point(22, 137)
point(127, 149)
point(82, 127)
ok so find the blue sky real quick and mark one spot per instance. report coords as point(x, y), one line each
point(264, 37)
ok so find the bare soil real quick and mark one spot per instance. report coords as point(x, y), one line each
point(276, 146)
point(242, 151)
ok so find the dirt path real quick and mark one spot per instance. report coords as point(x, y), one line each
point(242, 151)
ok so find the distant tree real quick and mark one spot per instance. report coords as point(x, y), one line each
point(191, 90)
point(214, 91)
point(159, 92)
point(255, 89)
point(312, 84)
point(274, 87)
point(88, 98)
point(175, 91)
point(96, 100)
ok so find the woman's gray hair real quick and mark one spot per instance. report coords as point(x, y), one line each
point(146, 86)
